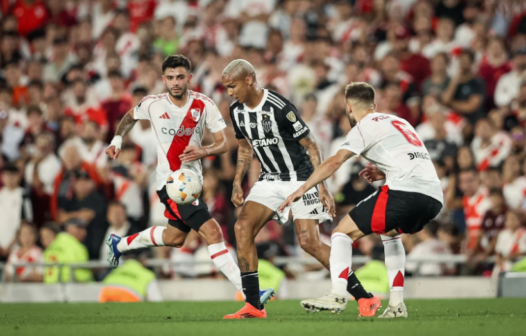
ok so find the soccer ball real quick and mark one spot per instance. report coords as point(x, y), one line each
point(183, 186)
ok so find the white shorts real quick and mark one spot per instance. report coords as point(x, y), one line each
point(273, 193)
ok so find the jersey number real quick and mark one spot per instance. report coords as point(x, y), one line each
point(411, 137)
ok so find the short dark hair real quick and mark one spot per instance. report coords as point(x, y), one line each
point(115, 73)
point(10, 168)
point(36, 83)
point(54, 227)
point(33, 109)
point(140, 90)
point(360, 91)
point(176, 61)
point(117, 203)
point(469, 53)
point(497, 192)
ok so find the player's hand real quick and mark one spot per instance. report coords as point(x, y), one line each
point(192, 153)
point(113, 152)
point(291, 199)
point(237, 196)
point(371, 173)
point(327, 200)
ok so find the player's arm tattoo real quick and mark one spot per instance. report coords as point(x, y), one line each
point(244, 265)
point(314, 151)
point(126, 124)
point(244, 158)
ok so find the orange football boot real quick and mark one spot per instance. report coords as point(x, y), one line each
point(248, 311)
point(368, 307)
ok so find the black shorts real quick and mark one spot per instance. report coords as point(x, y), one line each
point(184, 216)
point(386, 210)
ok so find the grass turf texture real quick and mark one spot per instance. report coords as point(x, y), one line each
point(495, 317)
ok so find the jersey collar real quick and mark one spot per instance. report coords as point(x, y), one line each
point(260, 106)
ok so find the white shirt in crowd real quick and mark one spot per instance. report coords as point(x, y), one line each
point(94, 155)
point(34, 255)
point(428, 248)
point(508, 87)
point(515, 192)
point(13, 208)
point(494, 154)
point(508, 242)
point(48, 169)
point(145, 138)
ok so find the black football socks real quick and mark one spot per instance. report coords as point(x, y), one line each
point(250, 282)
point(355, 288)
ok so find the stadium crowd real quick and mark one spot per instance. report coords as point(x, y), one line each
point(69, 70)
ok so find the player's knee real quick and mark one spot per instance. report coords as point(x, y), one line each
point(243, 231)
point(211, 233)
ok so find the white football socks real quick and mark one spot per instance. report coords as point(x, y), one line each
point(395, 263)
point(226, 264)
point(340, 262)
point(147, 238)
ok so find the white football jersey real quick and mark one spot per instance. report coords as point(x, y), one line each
point(392, 144)
point(175, 128)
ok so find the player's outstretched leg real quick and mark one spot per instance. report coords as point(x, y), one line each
point(250, 220)
point(340, 266)
point(223, 260)
point(154, 236)
point(307, 231)
point(395, 264)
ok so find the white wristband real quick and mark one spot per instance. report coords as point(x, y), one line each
point(116, 141)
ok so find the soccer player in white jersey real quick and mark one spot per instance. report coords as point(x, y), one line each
point(178, 118)
point(410, 198)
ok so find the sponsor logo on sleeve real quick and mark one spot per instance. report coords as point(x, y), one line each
point(297, 126)
point(418, 155)
point(291, 116)
point(297, 134)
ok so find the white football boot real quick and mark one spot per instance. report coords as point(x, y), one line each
point(400, 310)
point(332, 302)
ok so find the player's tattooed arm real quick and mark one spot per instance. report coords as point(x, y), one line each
point(316, 158)
point(125, 126)
point(244, 158)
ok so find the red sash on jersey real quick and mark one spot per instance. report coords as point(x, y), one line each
point(515, 247)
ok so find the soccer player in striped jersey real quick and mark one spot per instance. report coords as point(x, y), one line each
point(179, 118)
point(269, 126)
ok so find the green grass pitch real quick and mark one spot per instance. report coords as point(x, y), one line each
point(495, 317)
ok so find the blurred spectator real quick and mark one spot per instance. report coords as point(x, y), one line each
point(84, 105)
point(67, 248)
point(31, 15)
point(465, 93)
point(15, 207)
point(48, 233)
point(430, 246)
point(118, 103)
point(476, 202)
point(142, 133)
point(438, 81)
point(353, 191)
point(129, 178)
point(168, 41)
point(89, 145)
point(118, 224)
point(444, 42)
point(41, 172)
point(25, 251)
point(489, 146)
point(493, 66)
point(88, 206)
point(61, 61)
point(507, 88)
point(492, 223)
point(514, 183)
point(321, 127)
point(440, 148)
point(511, 243)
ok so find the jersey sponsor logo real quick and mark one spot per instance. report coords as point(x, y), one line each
point(418, 155)
point(381, 118)
point(242, 124)
point(297, 134)
point(310, 199)
point(264, 142)
point(272, 177)
point(165, 116)
point(291, 116)
point(253, 125)
point(297, 126)
point(347, 143)
point(267, 124)
point(196, 114)
point(182, 131)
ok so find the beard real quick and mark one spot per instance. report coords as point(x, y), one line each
point(180, 95)
point(89, 140)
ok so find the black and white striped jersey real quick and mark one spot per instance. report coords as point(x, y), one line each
point(274, 129)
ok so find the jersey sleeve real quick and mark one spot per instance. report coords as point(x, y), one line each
point(214, 120)
point(140, 112)
point(292, 122)
point(357, 141)
point(239, 134)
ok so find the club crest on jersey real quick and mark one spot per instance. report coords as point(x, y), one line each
point(291, 116)
point(267, 124)
point(196, 114)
